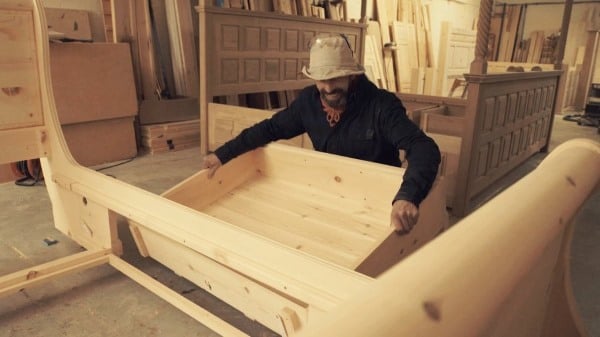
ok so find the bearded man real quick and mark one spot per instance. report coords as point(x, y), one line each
point(345, 114)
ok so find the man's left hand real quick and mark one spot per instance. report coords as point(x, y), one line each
point(404, 216)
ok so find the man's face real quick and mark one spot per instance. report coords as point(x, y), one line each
point(334, 92)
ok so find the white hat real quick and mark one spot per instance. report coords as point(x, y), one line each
point(331, 57)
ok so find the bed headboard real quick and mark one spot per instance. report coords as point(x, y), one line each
point(246, 52)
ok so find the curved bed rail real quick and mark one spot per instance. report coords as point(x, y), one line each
point(502, 271)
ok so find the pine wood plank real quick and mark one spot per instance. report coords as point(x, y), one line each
point(30, 143)
point(32, 276)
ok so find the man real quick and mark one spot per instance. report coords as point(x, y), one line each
point(345, 114)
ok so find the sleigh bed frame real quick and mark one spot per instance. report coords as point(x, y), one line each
point(306, 281)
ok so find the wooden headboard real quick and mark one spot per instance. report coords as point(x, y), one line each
point(246, 52)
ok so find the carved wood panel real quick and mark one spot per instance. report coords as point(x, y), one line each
point(258, 52)
point(514, 122)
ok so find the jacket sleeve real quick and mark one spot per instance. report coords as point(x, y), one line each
point(422, 153)
point(284, 124)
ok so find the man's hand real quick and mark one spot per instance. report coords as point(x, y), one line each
point(212, 163)
point(404, 216)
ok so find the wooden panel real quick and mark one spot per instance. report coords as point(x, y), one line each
point(258, 302)
point(92, 81)
point(73, 24)
point(442, 124)
point(227, 121)
point(20, 104)
point(102, 141)
point(457, 49)
point(374, 54)
point(405, 54)
point(276, 47)
point(512, 122)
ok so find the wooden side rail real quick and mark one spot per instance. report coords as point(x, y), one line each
point(501, 271)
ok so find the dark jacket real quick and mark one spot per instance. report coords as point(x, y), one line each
point(373, 127)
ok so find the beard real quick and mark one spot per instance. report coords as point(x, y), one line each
point(337, 102)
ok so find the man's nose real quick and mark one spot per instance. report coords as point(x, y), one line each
point(328, 85)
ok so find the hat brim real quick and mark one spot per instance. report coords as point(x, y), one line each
point(327, 74)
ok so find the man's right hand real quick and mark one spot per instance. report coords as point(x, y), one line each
point(212, 163)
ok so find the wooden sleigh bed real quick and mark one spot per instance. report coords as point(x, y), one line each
point(294, 281)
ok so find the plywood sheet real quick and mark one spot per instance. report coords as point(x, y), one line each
point(92, 81)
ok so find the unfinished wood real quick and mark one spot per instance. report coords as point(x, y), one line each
point(201, 315)
point(163, 137)
point(32, 276)
point(501, 67)
point(374, 54)
point(227, 121)
point(373, 67)
point(151, 85)
point(508, 295)
point(388, 60)
point(22, 144)
point(168, 110)
point(100, 142)
point(508, 35)
point(457, 49)
point(325, 212)
point(92, 81)
point(123, 23)
point(447, 125)
point(183, 48)
point(535, 48)
point(405, 54)
point(20, 100)
point(72, 23)
point(161, 48)
point(321, 186)
point(448, 171)
point(293, 284)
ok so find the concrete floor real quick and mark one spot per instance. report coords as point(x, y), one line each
point(103, 302)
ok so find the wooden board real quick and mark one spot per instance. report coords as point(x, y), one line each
point(457, 50)
point(405, 54)
point(388, 60)
point(73, 24)
point(227, 121)
point(92, 81)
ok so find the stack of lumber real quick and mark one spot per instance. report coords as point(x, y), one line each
point(163, 36)
point(165, 137)
point(397, 55)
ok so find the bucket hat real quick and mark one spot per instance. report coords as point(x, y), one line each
point(331, 57)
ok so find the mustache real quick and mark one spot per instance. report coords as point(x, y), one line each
point(334, 91)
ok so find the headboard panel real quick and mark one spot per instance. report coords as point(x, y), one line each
point(246, 52)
